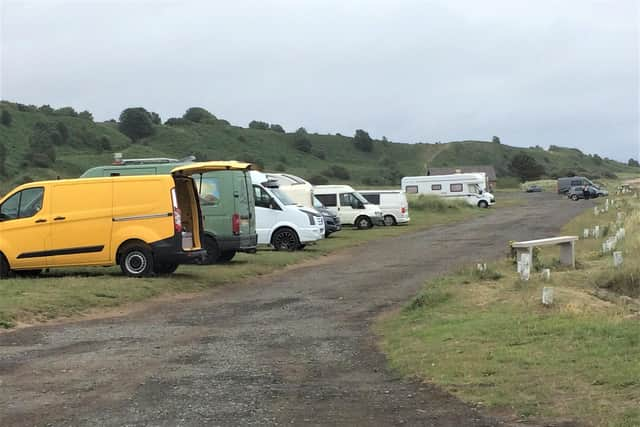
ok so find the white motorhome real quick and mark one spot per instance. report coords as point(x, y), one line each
point(349, 205)
point(279, 221)
point(393, 204)
point(470, 187)
point(298, 189)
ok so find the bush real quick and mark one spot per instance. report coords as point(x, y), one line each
point(155, 118)
point(85, 115)
point(337, 172)
point(302, 142)
point(136, 123)
point(5, 118)
point(624, 281)
point(425, 202)
point(363, 141)
point(318, 180)
point(46, 109)
point(104, 143)
point(525, 167)
point(509, 182)
point(198, 115)
point(319, 154)
point(428, 298)
point(177, 121)
point(280, 167)
point(66, 111)
point(257, 124)
point(276, 128)
point(62, 129)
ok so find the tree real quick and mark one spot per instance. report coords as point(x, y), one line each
point(257, 124)
point(6, 118)
point(525, 167)
point(46, 109)
point(155, 118)
point(3, 158)
point(198, 115)
point(337, 172)
point(177, 121)
point(495, 140)
point(63, 130)
point(363, 141)
point(301, 141)
point(66, 111)
point(633, 162)
point(136, 123)
point(276, 128)
point(85, 115)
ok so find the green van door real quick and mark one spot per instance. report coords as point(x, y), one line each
point(227, 205)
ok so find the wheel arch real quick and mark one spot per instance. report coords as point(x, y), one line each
point(282, 227)
point(125, 243)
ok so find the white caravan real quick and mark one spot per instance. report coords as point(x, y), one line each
point(349, 205)
point(279, 221)
point(393, 204)
point(468, 186)
point(298, 189)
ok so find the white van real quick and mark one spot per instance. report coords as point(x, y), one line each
point(279, 221)
point(299, 190)
point(393, 204)
point(468, 186)
point(350, 206)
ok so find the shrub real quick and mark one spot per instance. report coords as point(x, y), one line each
point(337, 172)
point(62, 129)
point(46, 109)
point(198, 115)
point(104, 143)
point(155, 118)
point(276, 128)
point(318, 180)
point(280, 167)
point(319, 154)
point(624, 281)
point(428, 298)
point(86, 115)
point(257, 124)
point(363, 141)
point(525, 167)
point(177, 121)
point(136, 123)
point(5, 118)
point(66, 111)
point(302, 142)
point(425, 202)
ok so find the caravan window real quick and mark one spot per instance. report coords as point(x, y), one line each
point(411, 189)
point(436, 187)
point(455, 188)
point(329, 200)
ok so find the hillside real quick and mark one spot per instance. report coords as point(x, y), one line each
point(85, 143)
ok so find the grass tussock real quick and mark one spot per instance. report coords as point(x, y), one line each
point(624, 281)
point(431, 203)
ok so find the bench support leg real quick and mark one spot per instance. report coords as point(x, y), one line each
point(520, 251)
point(567, 254)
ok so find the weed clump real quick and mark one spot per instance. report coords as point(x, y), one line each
point(428, 298)
point(624, 282)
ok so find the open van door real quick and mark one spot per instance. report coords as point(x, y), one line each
point(189, 169)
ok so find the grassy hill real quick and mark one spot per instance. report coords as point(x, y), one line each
point(90, 143)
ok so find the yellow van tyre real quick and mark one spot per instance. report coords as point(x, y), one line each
point(4, 267)
point(136, 259)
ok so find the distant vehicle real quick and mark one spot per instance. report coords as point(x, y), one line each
point(577, 193)
point(145, 224)
point(393, 204)
point(331, 220)
point(565, 184)
point(225, 196)
point(298, 189)
point(280, 222)
point(350, 206)
point(470, 187)
point(534, 189)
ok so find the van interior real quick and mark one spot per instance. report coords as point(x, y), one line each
point(186, 195)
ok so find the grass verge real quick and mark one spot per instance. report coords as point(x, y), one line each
point(489, 340)
point(68, 292)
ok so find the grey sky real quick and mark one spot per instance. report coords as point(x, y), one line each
point(533, 72)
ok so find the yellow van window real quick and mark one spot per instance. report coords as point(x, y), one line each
point(24, 204)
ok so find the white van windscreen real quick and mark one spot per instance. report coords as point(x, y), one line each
point(282, 196)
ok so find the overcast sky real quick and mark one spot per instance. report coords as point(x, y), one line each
point(533, 72)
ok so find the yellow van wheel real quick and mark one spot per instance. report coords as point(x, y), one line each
point(136, 259)
point(4, 267)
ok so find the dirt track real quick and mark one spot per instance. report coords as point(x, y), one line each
point(292, 348)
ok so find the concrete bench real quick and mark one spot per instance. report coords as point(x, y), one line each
point(566, 243)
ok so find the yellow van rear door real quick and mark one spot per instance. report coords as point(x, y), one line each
point(81, 221)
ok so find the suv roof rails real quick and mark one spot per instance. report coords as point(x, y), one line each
point(118, 160)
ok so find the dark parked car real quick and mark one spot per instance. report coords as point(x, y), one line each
point(331, 221)
point(534, 189)
point(577, 193)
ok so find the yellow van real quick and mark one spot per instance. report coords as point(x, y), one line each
point(146, 224)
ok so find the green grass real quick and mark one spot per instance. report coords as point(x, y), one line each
point(491, 342)
point(69, 292)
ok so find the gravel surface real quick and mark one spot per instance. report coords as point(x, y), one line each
point(292, 348)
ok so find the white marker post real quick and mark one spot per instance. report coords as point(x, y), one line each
point(617, 259)
point(546, 274)
point(547, 296)
point(524, 267)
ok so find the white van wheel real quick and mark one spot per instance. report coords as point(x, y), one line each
point(389, 220)
point(136, 260)
point(285, 239)
point(363, 223)
point(483, 204)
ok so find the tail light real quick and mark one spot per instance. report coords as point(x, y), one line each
point(235, 223)
point(177, 213)
point(403, 210)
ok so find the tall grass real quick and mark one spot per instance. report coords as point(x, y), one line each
point(431, 203)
